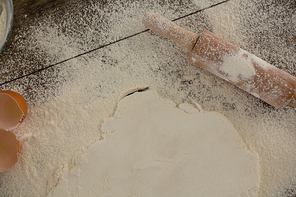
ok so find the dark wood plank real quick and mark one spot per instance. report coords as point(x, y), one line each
point(16, 60)
point(71, 17)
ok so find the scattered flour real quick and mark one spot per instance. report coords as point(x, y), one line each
point(69, 101)
point(266, 30)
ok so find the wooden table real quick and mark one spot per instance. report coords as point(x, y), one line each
point(22, 68)
point(29, 12)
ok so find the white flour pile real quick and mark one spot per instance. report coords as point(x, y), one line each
point(68, 102)
point(151, 147)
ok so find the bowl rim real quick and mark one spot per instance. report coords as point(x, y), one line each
point(9, 27)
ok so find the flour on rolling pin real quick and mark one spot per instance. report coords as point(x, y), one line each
point(229, 62)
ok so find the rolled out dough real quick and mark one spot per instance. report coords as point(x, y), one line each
point(152, 147)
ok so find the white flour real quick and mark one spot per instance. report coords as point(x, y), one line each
point(152, 147)
point(236, 66)
point(68, 102)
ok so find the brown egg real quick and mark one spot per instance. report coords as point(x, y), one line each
point(9, 150)
point(13, 109)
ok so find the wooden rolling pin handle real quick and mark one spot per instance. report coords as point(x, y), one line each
point(170, 30)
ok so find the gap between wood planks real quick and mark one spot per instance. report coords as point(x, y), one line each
point(111, 43)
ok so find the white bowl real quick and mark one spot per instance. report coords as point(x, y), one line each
point(8, 6)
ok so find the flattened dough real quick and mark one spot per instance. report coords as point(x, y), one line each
point(151, 147)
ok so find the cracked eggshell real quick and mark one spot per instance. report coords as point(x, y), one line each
point(13, 109)
point(9, 150)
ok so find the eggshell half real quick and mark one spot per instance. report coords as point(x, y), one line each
point(13, 109)
point(9, 150)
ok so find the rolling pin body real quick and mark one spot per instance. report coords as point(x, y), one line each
point(229, 62)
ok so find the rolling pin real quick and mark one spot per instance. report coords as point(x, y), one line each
point(241, 68)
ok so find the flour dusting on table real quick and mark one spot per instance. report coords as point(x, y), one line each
point(69, 101)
